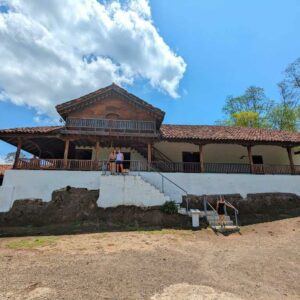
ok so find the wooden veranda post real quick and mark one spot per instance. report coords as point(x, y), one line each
point(149, 156)
point(66, 153)
point(97, 155)
point(201, 158)
point(289, 151)
point(17, 153)
point(249, 149)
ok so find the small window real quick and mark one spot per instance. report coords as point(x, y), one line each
point(257, 159)
point(190, 157)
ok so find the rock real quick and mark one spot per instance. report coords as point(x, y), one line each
point(66, 206)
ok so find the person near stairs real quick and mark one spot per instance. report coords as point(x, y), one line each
point(221, 211)
point(221, 204)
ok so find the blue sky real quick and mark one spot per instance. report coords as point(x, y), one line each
point(226, 45)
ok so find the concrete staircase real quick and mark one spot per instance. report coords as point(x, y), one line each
point(213, 221)
point(129, 190)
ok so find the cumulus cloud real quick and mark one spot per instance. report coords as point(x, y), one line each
point(53, 50)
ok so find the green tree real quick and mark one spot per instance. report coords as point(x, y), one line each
point(292, 75)
point(246, 119)
point(283, 118)
point(285, 114)
point(249, 109)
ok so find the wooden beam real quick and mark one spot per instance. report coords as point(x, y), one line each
point(66, 153)
point(97, 155)
point(149, 155)
point(249, 149)
point(201, 158)
point(290, 154)
point(18, 153)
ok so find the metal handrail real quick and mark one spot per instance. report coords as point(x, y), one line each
point(205, 205)
point(172, 182)
point(236, 211)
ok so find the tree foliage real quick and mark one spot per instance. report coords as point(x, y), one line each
point(246, 119)
point(254, 99)
point(255, 109)
point(249, 109)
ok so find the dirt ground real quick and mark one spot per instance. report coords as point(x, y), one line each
point(263, 262)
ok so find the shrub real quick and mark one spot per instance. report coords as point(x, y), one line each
point(169, 207)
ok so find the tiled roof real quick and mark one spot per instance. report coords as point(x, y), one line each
point(4, 168)
point(66, 106)
point(44, 129)
point(227, 134)
point(200, 133)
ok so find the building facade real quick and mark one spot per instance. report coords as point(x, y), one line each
point(112, 117)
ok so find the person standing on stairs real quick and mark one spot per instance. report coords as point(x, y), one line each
point(221, 211)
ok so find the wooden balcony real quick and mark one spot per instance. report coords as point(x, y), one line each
point(111, 126)
point(135, 166)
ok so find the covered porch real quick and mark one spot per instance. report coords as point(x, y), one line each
point(144, 154)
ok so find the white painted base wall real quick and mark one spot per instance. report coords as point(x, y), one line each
point(128, 190)
point(21, 184)
point(210, 184)
point(131, 190)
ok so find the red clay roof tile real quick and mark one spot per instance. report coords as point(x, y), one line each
point(226, 133)
point(44, 129)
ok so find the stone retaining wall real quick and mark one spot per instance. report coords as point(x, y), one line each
point(255, 208)
point(78, 206)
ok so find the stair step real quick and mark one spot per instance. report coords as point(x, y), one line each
point(216, 218)
point(231, 228)
point(216, 223)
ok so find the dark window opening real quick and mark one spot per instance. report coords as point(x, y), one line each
point(190, 157)
point(191, 162)
point(126, 163)
point(257, 159)
point(85, 154)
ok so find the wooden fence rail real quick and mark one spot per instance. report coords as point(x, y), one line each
point(174, 167)
point(111, 125)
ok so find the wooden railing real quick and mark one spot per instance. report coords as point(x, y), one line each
point(174, 167)
point(111, 125)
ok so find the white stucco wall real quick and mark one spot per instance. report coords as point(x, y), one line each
point(223, 153)
point(119, 190)
point(128, 190)
point(208, 184)
point(20, 184)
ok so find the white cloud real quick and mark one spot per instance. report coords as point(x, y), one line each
point(52, 51)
